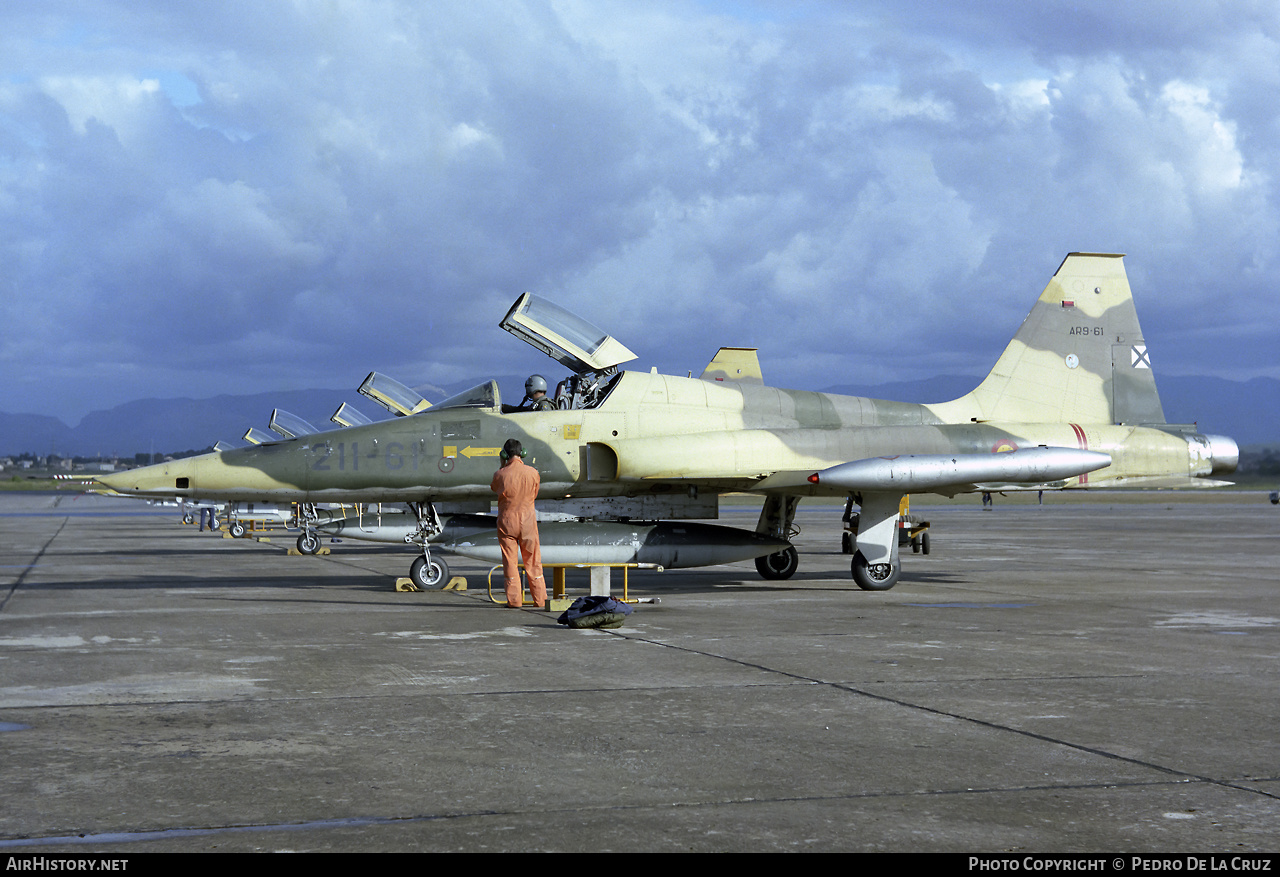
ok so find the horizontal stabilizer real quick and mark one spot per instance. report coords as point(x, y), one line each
point(926, 473)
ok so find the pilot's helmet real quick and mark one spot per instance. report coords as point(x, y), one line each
point(535, 384)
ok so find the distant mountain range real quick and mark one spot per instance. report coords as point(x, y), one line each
point(1248, 411)
point(166, 425)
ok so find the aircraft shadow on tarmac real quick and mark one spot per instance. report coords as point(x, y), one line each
point(669, 585)
point(707, 583)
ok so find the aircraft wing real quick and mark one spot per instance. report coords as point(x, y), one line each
point(740, 457)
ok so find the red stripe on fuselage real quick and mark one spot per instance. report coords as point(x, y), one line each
point(1083, 441)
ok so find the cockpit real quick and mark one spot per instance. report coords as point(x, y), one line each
point(588, 351)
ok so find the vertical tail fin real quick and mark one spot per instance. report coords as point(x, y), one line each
point(1079, 356)
point(734, 364)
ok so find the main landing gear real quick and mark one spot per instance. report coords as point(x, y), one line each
point(782, 565)
point(873, 541)
point(777, 519)
point(874, 576)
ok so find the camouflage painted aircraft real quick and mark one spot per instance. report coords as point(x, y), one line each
point(1071, 403)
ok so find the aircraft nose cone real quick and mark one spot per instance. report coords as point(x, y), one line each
point(145, 480)
point(116, 481)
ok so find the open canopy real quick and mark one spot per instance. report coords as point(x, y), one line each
point(564, 336)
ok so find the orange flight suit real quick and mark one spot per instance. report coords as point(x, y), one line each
point(517, 486)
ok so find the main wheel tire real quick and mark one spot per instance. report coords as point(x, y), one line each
point(429, 576)
point(188, 518)
point(308, 543)
point(877, 577)
point(780, 565)
point(237, 529)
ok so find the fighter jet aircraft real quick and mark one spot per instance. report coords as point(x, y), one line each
point(1071, 403)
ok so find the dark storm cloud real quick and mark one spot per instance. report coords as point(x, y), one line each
point(304, 191)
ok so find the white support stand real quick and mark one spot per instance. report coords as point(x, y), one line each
point(600, 581)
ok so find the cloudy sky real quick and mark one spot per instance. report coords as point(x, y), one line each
point(196, 198)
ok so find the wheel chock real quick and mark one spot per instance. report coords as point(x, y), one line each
point(294, 552)
point(559, 604)
point(457, 583)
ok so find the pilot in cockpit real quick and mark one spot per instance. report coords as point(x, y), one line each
point(535, 395)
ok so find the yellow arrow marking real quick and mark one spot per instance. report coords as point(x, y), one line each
point(480, 452)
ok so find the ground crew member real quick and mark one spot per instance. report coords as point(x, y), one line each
point(517, 486)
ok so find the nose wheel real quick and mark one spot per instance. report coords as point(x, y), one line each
point(429, 573)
